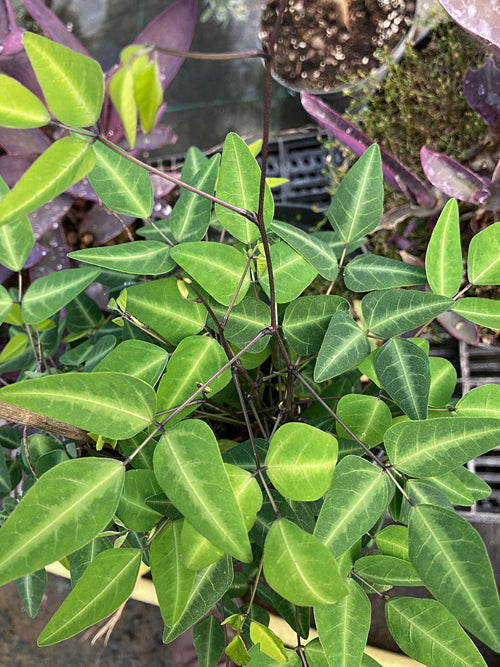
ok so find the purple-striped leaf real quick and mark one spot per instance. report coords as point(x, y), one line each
point(482, 92)
point(29, 140)
point(53, 27)
point(480, 17)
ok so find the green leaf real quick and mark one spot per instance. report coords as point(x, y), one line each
point(357, 206)
point(259, 659)
point(391, 312)
point(430, 448)
point(15, 347)
point(209, 586)
point(122, 186)
point(133, 510)
point(5, 482)
point(51, 292)
point(452, 561)
point(367, 416)
point(480, 402)
point(83, 314)
point(160, 305)
point(343, 627)
point(80, 559)
point(393, 541)
point(121, 91)
point(300, 568)
point(19, 108)
point(40, 531)
point(148, 94)
point(208, 639)
point(453, 488)
point(292, 274)
point(485, 312)
point(65, 162)
point(114, 405)
point(139, 257)
point(217, 267)
point(5, 303)
point(31, 588)
point(368, 272)
point(237, 651)
point(247, 492)
point(425, 631)
point(306, 321)
point(173, 581)
point(483, 262)
point(137, 358)
point(315, 251)
point(72, 84)
point(404, 372)
point(343, 347)
point(196, 551)
point(357, 497)
point(247, 318)
point(300, 461)
point(190, 470)
point(190, 217)
point(106, 584)
point(443, 259)
point(239, 185)
point(270, 644)
point(443, 382)
point(315, 654)
point(195, 360)
point(387, 570)
point(16, 239)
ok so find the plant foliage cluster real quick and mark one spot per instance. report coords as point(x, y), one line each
point(214, 424)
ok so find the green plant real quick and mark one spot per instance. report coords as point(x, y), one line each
point(217, 420)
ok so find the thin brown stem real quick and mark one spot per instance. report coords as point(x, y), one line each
point(355, 574)
point(26, 452)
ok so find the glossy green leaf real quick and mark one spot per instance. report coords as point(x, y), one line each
point(173, 581)
point(111, 404)
point(160, 305)
point(387, 570)
point(426, 631)
point(485, 312)
point(137, 358)
point(443, 382)
point(5, 303)
point(368, 661)
point(315, 251)
point(190, 470)
point(80, 559)
point(194, 161)
point(40, 531)
point(423, 492)
point(342, 349)
point(300, 568)
point(432, 447)
point(106, 584)
point(452, 561)
point(300, 461)
point(51, 292)
point(247, 492)
point(343, 627)
point(393, 541)
point(132, 509)
point(209, 586)
point(140, 257)
point(237, 651)
point(16, 239)
point(357, 497)
point(16, 346)
point(366, 416)
point(292, 274)
point(190, 217)
point(121, 91)
point(477, 487)
point(19, 108)
point(196, 551)
point(315, 654)
point(65, 162)
point(443, 258)
point(483, 262)
point(270, 644)
point(83, 314)
point(217, 267)
point(239, 185)
point(391, 312)
point(72, 84)
point(306, 321)
point(208, 639)
point(30, 589)
point(259, 659)
point(357, 206)
point(195, 360)
point(481, 401)
point(246, 320)
point(404, 372)
point(5, 482)
point(453, 488)
point(368, 272)
point(148, 94)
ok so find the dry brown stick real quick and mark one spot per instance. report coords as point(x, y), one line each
point(17, 415)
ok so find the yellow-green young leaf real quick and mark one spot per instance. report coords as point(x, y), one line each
point(64, 163)
point(300, 568)
point(121, 91)
point(247, 492)
point(301, 460)
point(138, 257)
point(40, 531)
point(106, 584)
point(485, 312)
point(443, 382)
point(72, 84)
point(238, 184)
point(148, 94)
point(16, 239)
point(51, 292)
point(114, 405)
point(366, 416)
point(483, 262)
point(443, 259)
point(5, 303)
point(16, 345)
point(19, 108)
point(480, 402)
point(196, 551)
point(237, 651)
point(292, 273)
point(270, 644)
point(189, 468)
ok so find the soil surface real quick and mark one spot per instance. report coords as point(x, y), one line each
point(323, 42)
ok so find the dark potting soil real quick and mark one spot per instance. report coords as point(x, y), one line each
point(323, 42)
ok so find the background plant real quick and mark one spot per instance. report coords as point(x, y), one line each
point(217, 420)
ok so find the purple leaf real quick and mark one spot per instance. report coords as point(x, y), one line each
point(4, 273)
point(161, 186)
point(14, 61)
point(30, 140)
point(48, 215)
point(53, 27)
point(7, 20)
point(83, 190)
point(482, 92)
point(459, 327)
point(35, 255)
point(159, 137)
point(54, 241)
point(450, 176)
point(480, 17)
point(356, 141)
point(102, 225)
point(12, 167)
